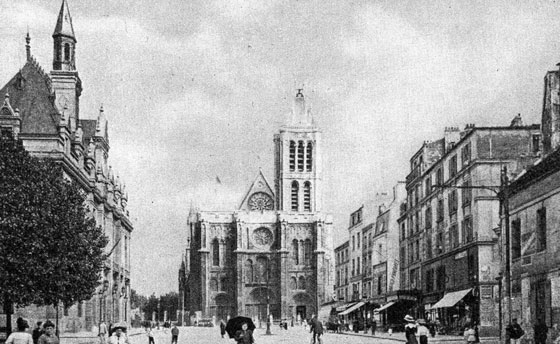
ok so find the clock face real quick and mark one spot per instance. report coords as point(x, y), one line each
point(260, 201)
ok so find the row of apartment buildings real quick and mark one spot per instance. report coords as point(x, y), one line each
point(437, 250)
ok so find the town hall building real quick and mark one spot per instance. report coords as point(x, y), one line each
point(272, 255)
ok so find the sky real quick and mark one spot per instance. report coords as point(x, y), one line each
point(195, 90)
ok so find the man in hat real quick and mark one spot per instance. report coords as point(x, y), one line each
point(37, 332)
point(48, 337)
point(102, 332)
point(119, 337)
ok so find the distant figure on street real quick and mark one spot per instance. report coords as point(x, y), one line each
point(20, 336)
point(48, 337)
point(373, 327)
point(410, 330)
point(118, 336)
point(222, 328)
point(541, 332)
point(37, 332)
point(174, 334)
point(102, 332)
point(151, 336)
point(423, 331)
point(514, 332)
point(244, 336)
point(316, 329)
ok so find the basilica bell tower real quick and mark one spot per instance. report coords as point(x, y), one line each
point(298, 170)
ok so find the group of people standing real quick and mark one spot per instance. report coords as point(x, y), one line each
point(43, 334)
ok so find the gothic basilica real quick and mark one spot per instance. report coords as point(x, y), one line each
point(273, 255)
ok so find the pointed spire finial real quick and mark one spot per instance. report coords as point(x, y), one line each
point(28, 45)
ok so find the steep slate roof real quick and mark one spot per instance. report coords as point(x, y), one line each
point(30, 91)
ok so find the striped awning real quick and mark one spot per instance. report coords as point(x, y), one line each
point(353, 308)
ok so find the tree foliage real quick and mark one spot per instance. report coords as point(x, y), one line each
point(168, 302)
point(50, 249)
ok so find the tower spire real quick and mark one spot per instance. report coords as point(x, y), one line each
point(64, 41)
point(64, 22)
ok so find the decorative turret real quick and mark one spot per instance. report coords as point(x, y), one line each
point(28, 46)
point(301, 115)
point(64, 41)
point(90, 158)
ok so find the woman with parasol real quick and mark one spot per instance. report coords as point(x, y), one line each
point(119, 336)
point(241, 329)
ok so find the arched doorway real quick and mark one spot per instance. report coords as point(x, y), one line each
point(304, 306)
point(224, 306)
point(258, 303)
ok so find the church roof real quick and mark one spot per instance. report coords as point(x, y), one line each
point(64, 22)
point(30, 91)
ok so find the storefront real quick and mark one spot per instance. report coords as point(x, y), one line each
point(454, 311)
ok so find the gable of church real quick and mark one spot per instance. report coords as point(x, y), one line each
point(260, 196)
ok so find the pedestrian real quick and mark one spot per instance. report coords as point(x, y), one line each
point(244, 336)
point(422, 331)
point(470, 335)
point(541, 332)
point(514, 332)
point(118, 336)
point(174, 334)
point(316, 329)
point(410, 330)
point(151, 336)
point(37, 332)
point(20, 336)
point(373, 327)
point(222, 328)
point(102, 332)
point(49, 337)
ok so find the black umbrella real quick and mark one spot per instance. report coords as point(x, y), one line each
point(234, 325)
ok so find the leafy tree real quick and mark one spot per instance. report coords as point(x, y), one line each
point(137, 300)
point(51, 252)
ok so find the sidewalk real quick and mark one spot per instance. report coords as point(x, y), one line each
point(399, 337)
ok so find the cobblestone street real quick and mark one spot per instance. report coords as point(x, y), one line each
point(203, 335)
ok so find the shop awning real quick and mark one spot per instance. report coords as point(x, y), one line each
point(385, 306)
point(451, 299)
point(353, 308)
point(344, 307)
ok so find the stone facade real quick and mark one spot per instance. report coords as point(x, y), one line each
point(273, 255)
point(534, 209)
point(342, 264)
point(449, 222)
point(43, 111)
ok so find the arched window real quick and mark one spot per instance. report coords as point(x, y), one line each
point(58, 50)
point(213, 284)
point(301, 283)
point(293, 283)
point(307, 252)
point(295, 251)
point(248, 271)
point(223, 284)
point(215, 253)
point(67, 52)
point(307, 196)
point(300, 161)
point(292, 156)
point(262, 269)
point(295, 194)
point(309, 162)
